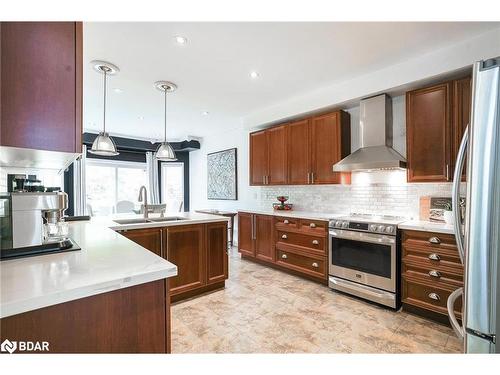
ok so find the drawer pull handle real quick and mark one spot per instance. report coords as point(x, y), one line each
point(434, 256)
point(435, 240)
point(284, 256)
point(286, 222)
point(312, 225)
point(315, 265)
point(434, 296)
point(315, 242)
point(284, 236)
point(434, 273)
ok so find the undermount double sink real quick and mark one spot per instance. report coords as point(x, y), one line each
point(146, 221)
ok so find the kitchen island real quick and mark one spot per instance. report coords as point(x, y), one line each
point(110, 296)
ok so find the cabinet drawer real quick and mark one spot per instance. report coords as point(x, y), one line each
point(315, 244)
point(430, 240)
point(286, 222)
point(314, 225)
point(427, 296)
point(432, 257)
point(308, 264)
point(437, 275)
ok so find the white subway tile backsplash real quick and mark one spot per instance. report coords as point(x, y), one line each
point(378, 192)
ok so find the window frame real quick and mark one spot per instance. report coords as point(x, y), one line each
point(165, 165)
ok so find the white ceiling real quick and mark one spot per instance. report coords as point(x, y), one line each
point(212, 69)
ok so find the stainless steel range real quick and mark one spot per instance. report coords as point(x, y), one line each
point(364, 257)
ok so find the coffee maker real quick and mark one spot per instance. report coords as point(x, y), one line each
point(32, 224)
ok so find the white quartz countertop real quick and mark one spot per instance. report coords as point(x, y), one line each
point(107, 261)
point(427, 226)
point(298, 214)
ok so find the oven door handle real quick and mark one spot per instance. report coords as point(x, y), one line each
point(363, 237)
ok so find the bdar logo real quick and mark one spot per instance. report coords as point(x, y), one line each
point(8, 346)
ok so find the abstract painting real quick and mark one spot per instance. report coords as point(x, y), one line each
point(221, 172)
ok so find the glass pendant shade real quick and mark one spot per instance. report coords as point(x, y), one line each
point(104, 145)
point(165, 152)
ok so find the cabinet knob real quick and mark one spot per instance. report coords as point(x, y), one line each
point(434, 240)
point(434, 273)
point(315, 265)
point(286, 222)
point(284, 236)
point(284, 256)
point(315, 242)
point(434, 296)
point(312, 225)
point(434, 256)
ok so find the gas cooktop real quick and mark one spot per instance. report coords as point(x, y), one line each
point(368, 223)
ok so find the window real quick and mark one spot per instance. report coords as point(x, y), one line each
point(172, 186)
point(110, 182)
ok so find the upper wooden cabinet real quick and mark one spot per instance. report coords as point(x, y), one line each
point(436, 118)
point(268, 157)
point(302, 152)
point(41, 85)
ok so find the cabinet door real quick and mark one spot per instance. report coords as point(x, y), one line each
point(147, 238)
point(330, 142)
point(41, 91)
point(462, 102)
point(246, 234)
point(428, 134)
point(185, 249)
point(258, 158)
point(264, 246)
point(299, 153)
point(216, 252)
point(277, 151)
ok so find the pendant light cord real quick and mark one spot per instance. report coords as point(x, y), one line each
point(104, 114)
point(165, 113)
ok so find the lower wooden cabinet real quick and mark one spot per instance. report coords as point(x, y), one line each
point(431, 271)
point(291, 244)
point(199, 251)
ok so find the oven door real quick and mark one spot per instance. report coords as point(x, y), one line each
point(365, 258)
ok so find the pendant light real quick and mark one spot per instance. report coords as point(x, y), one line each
point(165, 152)
point(104, 145)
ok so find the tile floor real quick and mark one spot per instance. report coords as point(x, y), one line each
point(263, 310)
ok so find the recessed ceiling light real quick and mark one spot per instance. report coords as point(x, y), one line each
point(117, 90)
point(181, 40)
point(254, 74)
point(205, 113)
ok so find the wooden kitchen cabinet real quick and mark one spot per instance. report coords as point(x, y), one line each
point(330, 143)
point(299, 152)
point(150, 239)
point(185, 248)
point(255, 236)
point(41, 85)
point(302, 152)
point(258, 158)
point(217, 257)
point(198, 250)
point(299, 246)
point(264, 246)
point(436, 118)
point(246, 234)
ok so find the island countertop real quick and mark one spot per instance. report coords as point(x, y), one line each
point(107, 261)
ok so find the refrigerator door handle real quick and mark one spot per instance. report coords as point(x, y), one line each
point(459, 331)
point(455, 197)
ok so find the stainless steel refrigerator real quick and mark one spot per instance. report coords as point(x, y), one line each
point(478, 236)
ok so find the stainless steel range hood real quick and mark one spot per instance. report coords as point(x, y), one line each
point(376, 152)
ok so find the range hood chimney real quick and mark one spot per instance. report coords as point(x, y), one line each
point(376, 152)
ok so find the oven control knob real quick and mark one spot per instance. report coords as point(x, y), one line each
point(381, 228)
point(345, 224)
point(373, 228)
point(338, 224)
point(390, 229)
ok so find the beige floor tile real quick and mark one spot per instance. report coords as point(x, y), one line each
point(263, 310)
